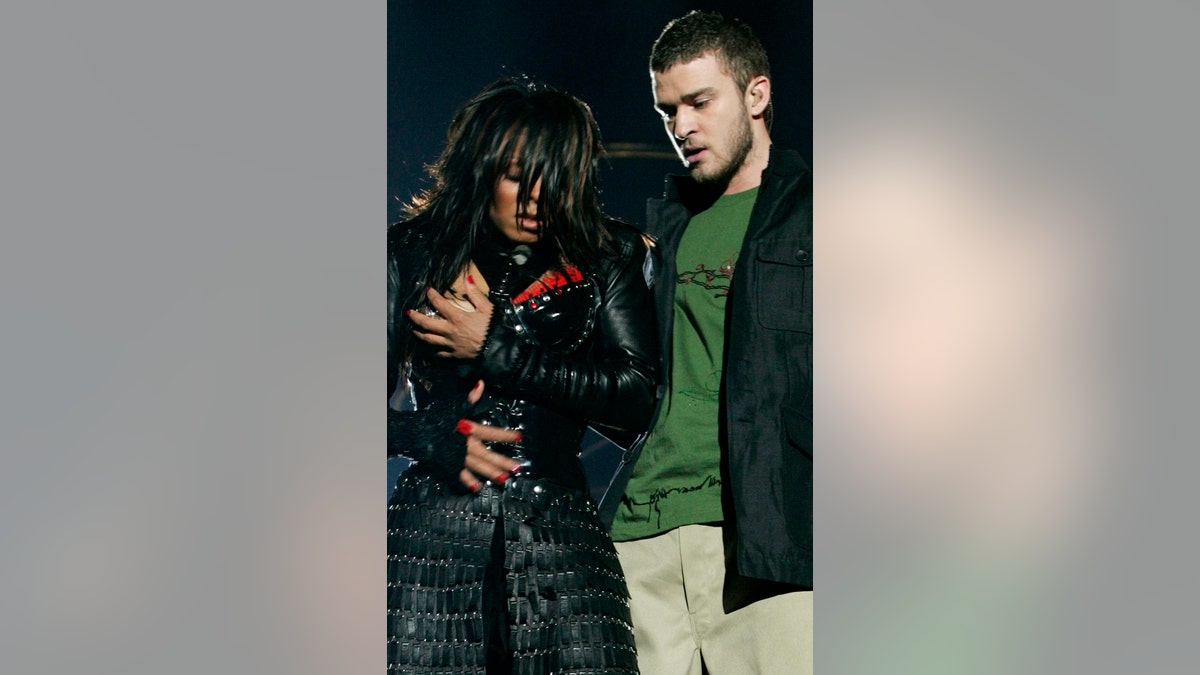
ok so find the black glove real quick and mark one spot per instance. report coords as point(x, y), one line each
point(431, 437)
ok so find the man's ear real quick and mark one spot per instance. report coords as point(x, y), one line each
point(758, 95)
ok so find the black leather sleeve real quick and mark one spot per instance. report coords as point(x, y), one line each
point(393, 293)
point(405, 253)
point(612, 381)
point(429, 435)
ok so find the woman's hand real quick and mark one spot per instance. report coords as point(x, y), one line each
point(480, 461)
point(457, 332)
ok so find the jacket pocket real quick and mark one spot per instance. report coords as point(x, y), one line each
point(783, 286)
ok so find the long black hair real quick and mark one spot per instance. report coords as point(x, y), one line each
point(551, 135)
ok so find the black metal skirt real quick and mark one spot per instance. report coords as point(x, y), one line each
point(516, 579)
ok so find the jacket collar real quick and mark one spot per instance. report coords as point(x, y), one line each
point(697, 197)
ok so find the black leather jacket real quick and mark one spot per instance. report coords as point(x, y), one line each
point(566, 347)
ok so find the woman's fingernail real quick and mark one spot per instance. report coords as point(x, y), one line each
point(520, 437)
point(408, 312)
point(476, 487)
point(464, 427)
point(470, 279)
point(503, 477)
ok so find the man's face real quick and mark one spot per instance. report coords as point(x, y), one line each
point(707, 117)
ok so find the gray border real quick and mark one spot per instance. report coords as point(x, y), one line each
point(193, 279)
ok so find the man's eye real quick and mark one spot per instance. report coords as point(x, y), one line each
point(700, 104)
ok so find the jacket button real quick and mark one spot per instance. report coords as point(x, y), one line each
point(801, 255)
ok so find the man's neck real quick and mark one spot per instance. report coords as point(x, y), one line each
point(750, 175)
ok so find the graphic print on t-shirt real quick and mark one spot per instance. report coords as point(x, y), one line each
point(718, 280)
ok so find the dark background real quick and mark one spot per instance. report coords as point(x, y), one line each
point(441, 54)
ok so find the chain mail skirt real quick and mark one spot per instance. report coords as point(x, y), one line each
point(521, 579)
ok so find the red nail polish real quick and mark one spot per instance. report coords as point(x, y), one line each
point(470, 279)
point(464, 427)
point(503, 477)
point(476, 487)
point(520, 437)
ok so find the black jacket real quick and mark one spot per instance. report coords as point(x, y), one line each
point(766, 388)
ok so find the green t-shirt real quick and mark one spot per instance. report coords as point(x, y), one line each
point(677, 479)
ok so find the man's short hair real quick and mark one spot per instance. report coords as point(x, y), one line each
point(697, 33)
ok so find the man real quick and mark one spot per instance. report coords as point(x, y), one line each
point(714, 527)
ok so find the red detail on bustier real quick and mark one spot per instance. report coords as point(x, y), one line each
point(549, 281)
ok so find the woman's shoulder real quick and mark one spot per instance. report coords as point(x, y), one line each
point(405, 234)
point(627, 251)
point(629, 239)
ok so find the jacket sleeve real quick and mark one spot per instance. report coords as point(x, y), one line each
point(429, 435)
point(613, 382)
point(393, 367)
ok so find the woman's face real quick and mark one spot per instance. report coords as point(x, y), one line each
point(519, 223)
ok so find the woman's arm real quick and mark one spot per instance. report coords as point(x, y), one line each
point(393, 297)
point(615, 383)
point(454, 448)
point(428, 435)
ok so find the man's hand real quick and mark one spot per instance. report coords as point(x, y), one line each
point(457, 332)
point(481, 462)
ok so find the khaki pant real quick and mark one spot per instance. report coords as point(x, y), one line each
point(676, 582)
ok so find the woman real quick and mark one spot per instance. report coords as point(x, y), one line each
point(517, 315)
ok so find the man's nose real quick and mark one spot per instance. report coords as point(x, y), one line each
point(684, 124)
